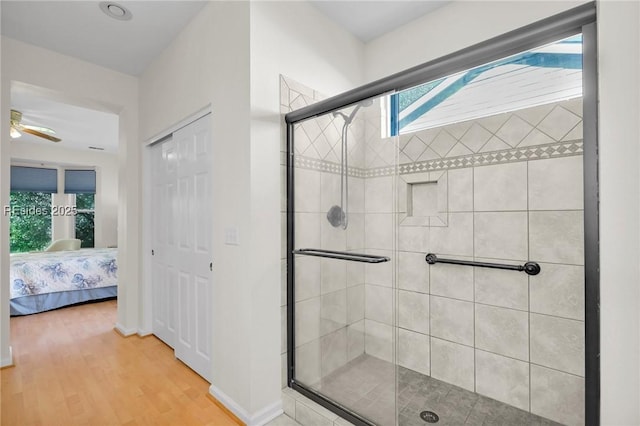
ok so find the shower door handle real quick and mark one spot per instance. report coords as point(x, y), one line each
point(342, 255)
point(531, 268)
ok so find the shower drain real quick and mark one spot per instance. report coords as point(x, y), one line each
point(429, 417)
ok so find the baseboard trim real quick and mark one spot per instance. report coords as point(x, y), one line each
point(145, 333)
point(239, 414)
point(267, 414)
point(124, 332)
point(229, 404)
point(8, 361)
point(226, 410)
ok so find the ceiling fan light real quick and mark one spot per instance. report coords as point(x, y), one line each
point(15, 133)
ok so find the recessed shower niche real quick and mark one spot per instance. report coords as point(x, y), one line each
point(422, 199)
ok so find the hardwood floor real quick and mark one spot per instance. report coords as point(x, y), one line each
point(72, 368)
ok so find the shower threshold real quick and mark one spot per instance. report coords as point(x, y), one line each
point(366, 386)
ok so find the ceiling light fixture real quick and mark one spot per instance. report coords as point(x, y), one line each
point(116, 11)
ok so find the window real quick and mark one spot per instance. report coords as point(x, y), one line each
point(539, 76)
point(30, 226)
point(82, 183)
point(85, 206)
point(30, 207)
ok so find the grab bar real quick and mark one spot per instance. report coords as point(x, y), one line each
point(531, 268)
point(343, 255)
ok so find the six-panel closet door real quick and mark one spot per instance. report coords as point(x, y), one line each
point(182, 263)
point(163, 235)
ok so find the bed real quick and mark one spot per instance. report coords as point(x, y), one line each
point(48, 280)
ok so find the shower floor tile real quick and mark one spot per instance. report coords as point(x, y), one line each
point(366, 386)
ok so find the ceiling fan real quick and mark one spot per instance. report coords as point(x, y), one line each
point(17, 127)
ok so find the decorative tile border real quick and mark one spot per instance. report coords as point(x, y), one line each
point(553, 150)
point(328, 166)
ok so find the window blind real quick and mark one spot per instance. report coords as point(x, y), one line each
point(79, 181)
point(33, 179)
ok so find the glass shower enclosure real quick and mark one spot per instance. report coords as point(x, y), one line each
point(442, 238)
point(343, 258)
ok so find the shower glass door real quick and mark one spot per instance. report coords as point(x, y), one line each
point(437, 246)
point(491, 174)
point(344, 165)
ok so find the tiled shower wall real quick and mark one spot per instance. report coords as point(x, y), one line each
point(505, 188)
point(330, 293)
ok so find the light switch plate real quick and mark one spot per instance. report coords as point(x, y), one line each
point(231, 236)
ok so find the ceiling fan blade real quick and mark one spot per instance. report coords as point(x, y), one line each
point(40, 134)
point(39, 129)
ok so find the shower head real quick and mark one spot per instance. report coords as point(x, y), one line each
point(346, 118)
point(349, 118)
point(337, 215)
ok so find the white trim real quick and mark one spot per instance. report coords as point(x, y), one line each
point(267, 414)
point(260, 418)
point(126, 332)
point(230, 404)
point(146, 305)
point(7, 362)
point(179, 125)
point(144, 333)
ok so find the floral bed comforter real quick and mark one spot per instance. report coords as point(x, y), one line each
point(49, 272)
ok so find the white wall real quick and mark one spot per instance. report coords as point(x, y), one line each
point(298, 41)
point(106, 199)
point(451, 28)
point(98, 88)
point(619, 92)
point(295, 40)
point(209, 63)
point(461, 24)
